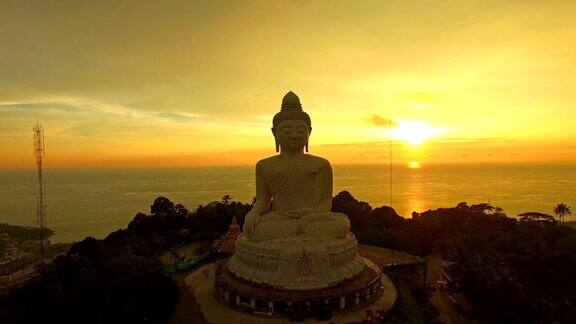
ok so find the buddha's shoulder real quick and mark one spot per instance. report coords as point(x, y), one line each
point(274, 161)
point(266, 163)
point(319, 160)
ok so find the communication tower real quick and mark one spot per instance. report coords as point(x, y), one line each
point(41, 197)
point(390, 159)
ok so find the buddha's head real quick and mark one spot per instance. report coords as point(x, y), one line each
point(291, 126)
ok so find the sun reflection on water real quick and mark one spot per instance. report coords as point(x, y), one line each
point(414, 165)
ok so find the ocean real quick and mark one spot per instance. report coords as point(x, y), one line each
point(94, 202)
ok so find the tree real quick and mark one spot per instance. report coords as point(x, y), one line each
point(562, 210)
point(162, 206)
point(482, 208)
point(180, 214)
point(462, 205)
point(498, 211)
point(226, 199)
point(96, 281)
point(536, 217)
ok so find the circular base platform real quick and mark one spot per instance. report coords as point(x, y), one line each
point(252, 298)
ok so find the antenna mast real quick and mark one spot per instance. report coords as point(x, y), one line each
point(41, 197)
point(390, 158)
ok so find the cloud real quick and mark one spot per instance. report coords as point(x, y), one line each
point(470, 141)
point(37, 107)
point(439, 141)
point(375, 144)
point(377, 120)
point(178, 117)
point(93, 107)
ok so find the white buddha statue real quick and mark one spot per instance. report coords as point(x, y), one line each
point(293, 189)
point(291, 239)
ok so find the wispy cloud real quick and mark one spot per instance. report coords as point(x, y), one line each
point(439, 141)
point(463, 141)
point(90, 106)
point(37, 107)
point(377, 120)
point(178, 117)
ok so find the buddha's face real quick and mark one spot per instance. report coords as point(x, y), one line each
point(292, 134)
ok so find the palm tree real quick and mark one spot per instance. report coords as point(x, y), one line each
point(562, 210)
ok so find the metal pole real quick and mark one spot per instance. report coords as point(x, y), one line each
point(390, 158)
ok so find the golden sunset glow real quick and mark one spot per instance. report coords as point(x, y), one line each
point(414, 132)
point(197, 83)
point(414, 165)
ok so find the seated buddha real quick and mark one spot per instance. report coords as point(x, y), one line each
point(293, 189)
point(291, 239)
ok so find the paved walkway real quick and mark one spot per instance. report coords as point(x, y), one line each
point(448, 311)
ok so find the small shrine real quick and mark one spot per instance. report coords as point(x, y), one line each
point(227, 242)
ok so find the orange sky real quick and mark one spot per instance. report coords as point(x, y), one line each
point(188, 83)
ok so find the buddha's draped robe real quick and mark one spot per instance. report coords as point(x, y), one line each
point(301, 201)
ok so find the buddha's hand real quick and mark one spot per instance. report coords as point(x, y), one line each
point(299, 212)
point(250, 223)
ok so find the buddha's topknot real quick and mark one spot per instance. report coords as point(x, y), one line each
point(291, 109)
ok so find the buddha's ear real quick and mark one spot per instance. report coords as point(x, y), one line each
point(275, 140)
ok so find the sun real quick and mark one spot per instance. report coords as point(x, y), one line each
point(414, 132)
